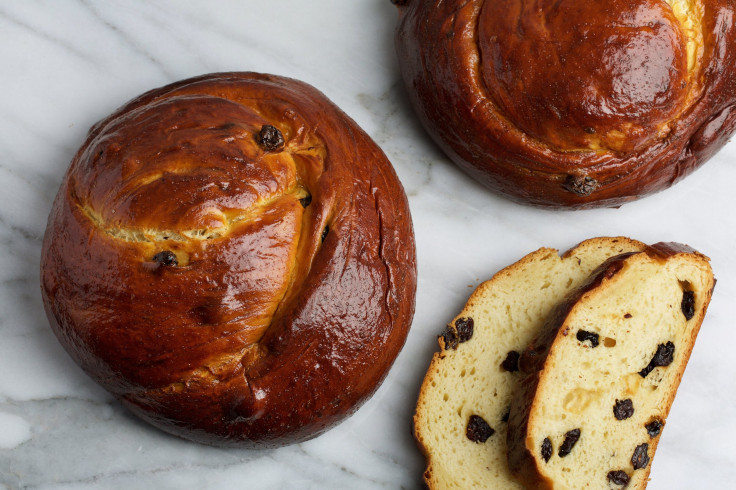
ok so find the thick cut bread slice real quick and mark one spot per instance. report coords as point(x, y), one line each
point(467, 390)
point(601, 378)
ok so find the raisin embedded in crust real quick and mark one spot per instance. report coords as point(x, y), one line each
point(584, 335)
point(654, 427)
point(571, 438)
point(546, 449)
point(623, 409)
point(511, 363)
point(166, 258)
point(580, 185)
point(688, 304)
point(640, 458)
point(270, 138)
point(618, 477)
point(306, 201)
point(450, 338)
point(478, 429)
point(464, 327)
point(663, 357)
point(462, 332)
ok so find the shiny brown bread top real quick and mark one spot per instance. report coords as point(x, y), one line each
point(572, 103)
point(233, 258)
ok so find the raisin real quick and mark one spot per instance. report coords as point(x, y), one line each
point(546, 449)
point(511, 363)
point(306, 201)
point(628, 315)
point(167, 258)
point(270, 138)
point(640, 458)
point(654, 427)
point(580, 185)
point(618, 477)
point(450, 338)
point(464, 327)
point(589, 130)
point(478, 429)
point(623, 409)
point(584, 335)
point(663, 357)
point(665, 354)
point(570, 439)
point(505, 417)
point(688, 304)
point(645, 372)
point(325, 232)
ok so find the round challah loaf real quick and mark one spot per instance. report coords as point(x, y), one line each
point(232, 258)
point(572, 103)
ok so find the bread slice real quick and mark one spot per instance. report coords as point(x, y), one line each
point(600, 380)
point(465, 397)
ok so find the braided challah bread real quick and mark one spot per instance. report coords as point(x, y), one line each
point(233, 258)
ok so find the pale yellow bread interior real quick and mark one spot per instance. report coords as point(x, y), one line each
point(637, 312)
point(508, 312)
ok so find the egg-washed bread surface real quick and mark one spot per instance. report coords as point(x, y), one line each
point(572, 103)
point(599, 381)
point(233, 258)
point(460, 419)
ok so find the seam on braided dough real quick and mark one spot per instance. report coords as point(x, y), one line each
point(150, 235)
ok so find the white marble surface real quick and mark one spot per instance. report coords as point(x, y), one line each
point(66, 64)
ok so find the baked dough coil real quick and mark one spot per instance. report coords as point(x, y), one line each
point(233, 258)
point(572, 103)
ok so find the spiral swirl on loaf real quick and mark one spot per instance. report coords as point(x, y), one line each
point(572, 103)
point(232, 258)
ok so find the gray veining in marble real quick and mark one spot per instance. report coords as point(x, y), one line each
point(66, 64)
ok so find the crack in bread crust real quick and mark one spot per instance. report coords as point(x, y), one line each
point(148, 235)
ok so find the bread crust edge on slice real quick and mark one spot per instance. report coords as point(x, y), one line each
point(430, 479)
point(522, 463)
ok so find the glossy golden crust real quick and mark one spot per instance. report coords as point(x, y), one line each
point(572, 103)
point(233, 258)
